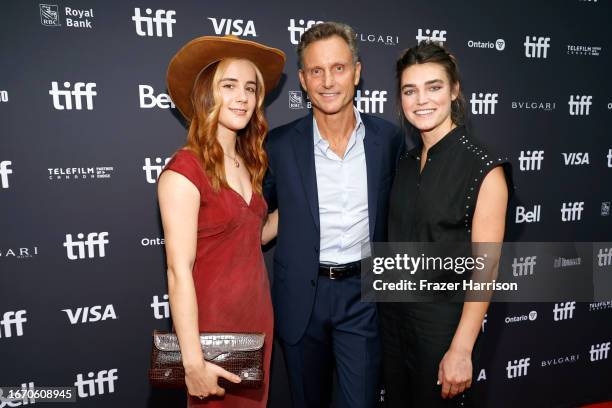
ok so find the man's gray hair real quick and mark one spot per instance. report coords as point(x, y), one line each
point(326, 30)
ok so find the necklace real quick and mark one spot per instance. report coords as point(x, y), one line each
point(236, 162)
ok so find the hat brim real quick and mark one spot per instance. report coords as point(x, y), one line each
point(200, 52)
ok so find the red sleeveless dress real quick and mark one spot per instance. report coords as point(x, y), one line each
point(229, 273)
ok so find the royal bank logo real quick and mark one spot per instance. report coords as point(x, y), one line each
point(90, 314)
point(572, 211)
point(588, 50)
point(523, 215)
point(159, 25)
point(561, 262)
point(95, 243)
point(534, 106)
point(297, 27)
point(370, 101)
point(4, 96)
point(437, 36)
point(580, 105)
point(532, 316)
point(517, 368)
point(563, 360)
point(484, 103)
point(531, 160)
point(228, 26)
point(161, 309)
point(12, 323)
point(296, 100)
point(152, 171)
point(49, 15)
point(71, 97)
point(80, 173)
point(599, 352)
point(148, 99)
point(102, 382)
point(536, 47)
point(605, 208)
point(5, 170)
point(498, 45)
point(523, 266)
point(19, 252)
point(575, 159)
point(564, 311)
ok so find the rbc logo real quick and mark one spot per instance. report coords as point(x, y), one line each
point(537, 47)
point(437, 36)
point(9, 319)
point(484, 104)
point(580, 106)
point(228, 26)
point(66, 94)
point(87, 388)
point(93, 239)
point(296, 31)
point(162, 17)
point(149, 100)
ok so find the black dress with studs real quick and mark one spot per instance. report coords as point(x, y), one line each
point(433, 205)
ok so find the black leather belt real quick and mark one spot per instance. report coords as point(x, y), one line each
point(340, 271)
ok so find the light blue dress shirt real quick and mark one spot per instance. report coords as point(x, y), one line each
point(342, 186)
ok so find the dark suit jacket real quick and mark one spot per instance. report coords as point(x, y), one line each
point(291, 186)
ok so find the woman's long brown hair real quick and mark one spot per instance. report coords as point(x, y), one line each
point(202, 135)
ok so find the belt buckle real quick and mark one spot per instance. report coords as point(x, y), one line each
point(331, 273)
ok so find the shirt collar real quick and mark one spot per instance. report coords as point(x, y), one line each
point(317, 135)
point(441, 145)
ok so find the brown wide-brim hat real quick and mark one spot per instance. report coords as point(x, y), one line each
point(200, 52)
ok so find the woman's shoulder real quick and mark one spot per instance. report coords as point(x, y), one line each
point(187, 163)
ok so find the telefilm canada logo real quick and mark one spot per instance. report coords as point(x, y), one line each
point(605, 208)
point(588, 50)
point(50, 16)
point(80, 173)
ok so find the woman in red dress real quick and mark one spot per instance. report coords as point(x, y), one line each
point(213, 213)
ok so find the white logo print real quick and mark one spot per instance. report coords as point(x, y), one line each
point(437, 36)
point(87, 388)
point(572, 211)
point(537, 47)
point(66, 94)
point(153, 171)
point(49, 15)
point(162, 17)
point(90, 314)
point(599, 351)
point(564, 311)
point(4, 97)
point(94, 239)
point(523, 266)
point(531, 160)
point(148, 99)
point(580, 106)
point(10, 319)
point(296, 30)
point(609, 156)
point(370, 101)
point(517, 368)
point(527, 216)
point(604, 257)
point(4, 172)
point(161, 310)
point(227, 26)
point(575, 159)
point(484, 104)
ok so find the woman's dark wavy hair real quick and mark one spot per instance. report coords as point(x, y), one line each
point(429, 51)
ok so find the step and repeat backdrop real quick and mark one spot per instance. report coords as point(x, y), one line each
point(86, 126)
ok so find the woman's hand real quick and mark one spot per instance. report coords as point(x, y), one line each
point(270, 228)
point(201, 379)
point(455, 372)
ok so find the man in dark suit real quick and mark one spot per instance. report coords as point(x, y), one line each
point(329, 175)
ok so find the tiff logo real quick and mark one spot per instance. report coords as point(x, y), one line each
point(78, 92)
point(87, 388)
point(531, 160)
point(162, 17)
point(484, 104)
point(437, 36)
point(152, 171)
point(604, 257)
point(296, 30)
point(228, 26)
point(580, 106)
point(599, 351)
point(537, 47)
point(517, 368)
point(564, 311)
point(523, 266)
point(374, 103)
point(90, 314)
point(572, 211)
point(4, 172)
point(93, 239)
point(148, 99)
point(522, 215)
point(161, 310)
point(9, 319)
point(575, 159)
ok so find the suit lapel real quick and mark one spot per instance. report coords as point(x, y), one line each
point(372, 149)
point(303, 148)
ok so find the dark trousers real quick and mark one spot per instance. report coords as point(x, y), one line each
point(415, 337)
point(343, 332)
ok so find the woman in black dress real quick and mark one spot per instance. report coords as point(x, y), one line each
point(448, 189)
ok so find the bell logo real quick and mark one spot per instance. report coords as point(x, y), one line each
point(162, 17)
point(96, 386)
point(531, 160)
point(94, 239)
point(90, 314)
point(296, 30)
point(227, 26)
point(564, 311)
point(599, 351)
point(4, 172)
point(522, 215)
point(572, 211)
point(12, 319)
point(149, 100)
point(62, 99)
point(370, 101)
point(517, 368)
point(152, 171)
point(523, 266)
point(437, 36)
point(575, 159)
point(580, 106)
point(161, 310)
point(536, 47)
point(484, 104)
